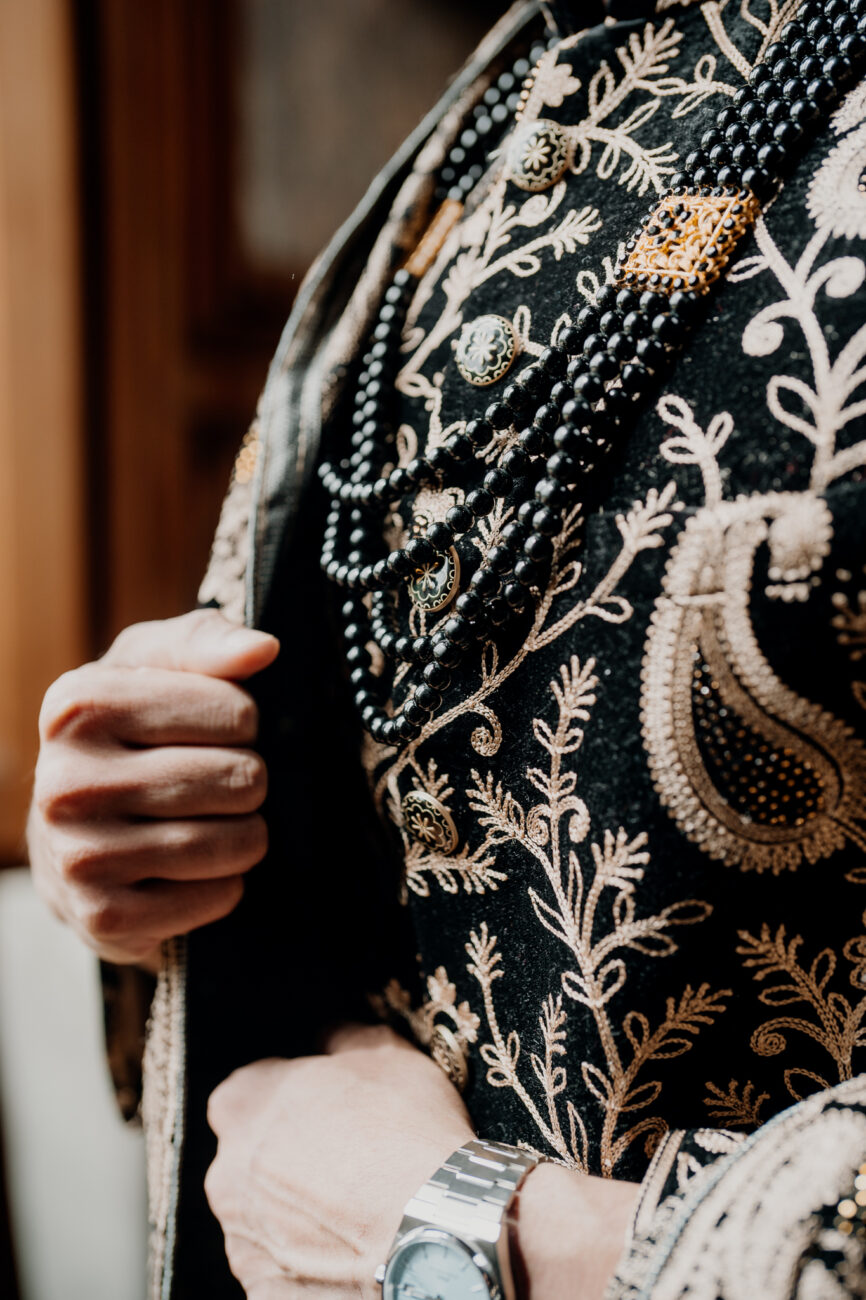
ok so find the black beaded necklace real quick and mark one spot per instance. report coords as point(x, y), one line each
point(579, 397)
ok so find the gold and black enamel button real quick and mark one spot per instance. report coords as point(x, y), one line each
point(435, 585)
point(486, 349)
point(537, 155)
point(429, 821)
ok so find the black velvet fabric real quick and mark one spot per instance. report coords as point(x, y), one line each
point(622, 940)
point(706, 930)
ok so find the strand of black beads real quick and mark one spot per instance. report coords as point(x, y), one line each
point(616, 350)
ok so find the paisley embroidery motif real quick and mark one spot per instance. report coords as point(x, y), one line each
point(712, 706)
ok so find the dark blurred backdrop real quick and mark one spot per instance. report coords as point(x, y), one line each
point(168, 170)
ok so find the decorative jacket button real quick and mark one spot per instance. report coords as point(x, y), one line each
point(429, 821)
point(486, 349)
point(537, 154)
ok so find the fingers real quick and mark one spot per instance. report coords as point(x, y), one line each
point(200, 642)
point(168, 782)
point(127, 924)
point(148, 706)
point(206, 848)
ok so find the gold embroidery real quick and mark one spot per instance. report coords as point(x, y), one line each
point(836, 1024)
point(688, 240)
point(434, 237)
point(225, 579)
point(735, 1108)
point(448, 1045)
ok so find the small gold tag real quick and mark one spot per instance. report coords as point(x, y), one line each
point(428, 246)
point(688, 240)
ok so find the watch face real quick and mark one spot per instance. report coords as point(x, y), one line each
point(434, 1266)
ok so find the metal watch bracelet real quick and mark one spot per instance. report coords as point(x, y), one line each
point(469, 1196)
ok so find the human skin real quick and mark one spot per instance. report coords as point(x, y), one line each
point(143, 825)
point(144, 817)
point(317, 1158)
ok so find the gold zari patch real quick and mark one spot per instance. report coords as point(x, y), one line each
point(688, 240)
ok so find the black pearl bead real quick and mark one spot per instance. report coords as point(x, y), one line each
point(420, 552)
point(515, 461)
point(546, 417)
point(563, 468)
point(480, 502)
point(469, 604)
point(479, 432)
point(603, 365)
point(498, 415)
point(634, 377)
point(500, 558)
point(514, 596)
point(427, 697)
point(498, 482)
point(440, 535)
point(554, 360)
point(532, 441)
point(400, 564)
point(459, 518)
point(590, 388)
point(446, 653)
point(484, 582)
point(538, 547)
point(546, 522)
point(585, 323)
point(517, 397)
point(415, 712)
point(550, 493)
point(457, 629)
point(422, 649)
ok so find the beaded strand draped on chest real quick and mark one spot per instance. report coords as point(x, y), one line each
point(559, 417)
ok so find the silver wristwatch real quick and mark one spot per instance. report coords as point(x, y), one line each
point(452, 1243)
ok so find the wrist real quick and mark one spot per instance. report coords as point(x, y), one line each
point(570, 1230)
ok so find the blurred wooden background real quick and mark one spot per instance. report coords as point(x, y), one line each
point(167, 172)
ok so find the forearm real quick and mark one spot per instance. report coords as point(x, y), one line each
point(571, 1231)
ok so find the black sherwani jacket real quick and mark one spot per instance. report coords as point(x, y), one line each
point(642, 949)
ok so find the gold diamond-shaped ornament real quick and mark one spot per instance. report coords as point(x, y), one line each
point(689, 239)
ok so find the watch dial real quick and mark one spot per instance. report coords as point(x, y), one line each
point(434, 1269)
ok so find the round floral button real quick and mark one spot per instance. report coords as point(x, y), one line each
point(537, 154)
point(486, 349)
point(429, 821)
point(432, 587)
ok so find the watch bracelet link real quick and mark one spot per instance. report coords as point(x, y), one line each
point(473, 1188)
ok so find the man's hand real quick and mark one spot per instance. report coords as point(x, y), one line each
point(317, 1158)
point(144, 816)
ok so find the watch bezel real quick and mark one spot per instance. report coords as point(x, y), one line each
point(429, 1232)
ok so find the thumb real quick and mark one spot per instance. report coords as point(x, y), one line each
point(203, 641)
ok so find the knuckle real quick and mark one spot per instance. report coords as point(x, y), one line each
point(248, 775)
point(129, 637)
point(69, 704)
point(226, 896)
point(246, 716)
point(105, 917)
point(60, 795)
point(79, 864)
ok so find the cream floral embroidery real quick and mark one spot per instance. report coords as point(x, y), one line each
point(708, 690)
point(594, 914)
point(744, 1228)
